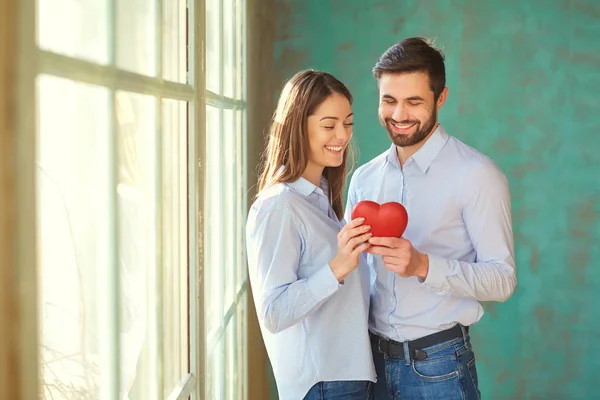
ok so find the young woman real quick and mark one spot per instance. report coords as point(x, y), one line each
point(311, 296)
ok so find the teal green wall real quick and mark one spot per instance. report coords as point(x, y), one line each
point(524, 87)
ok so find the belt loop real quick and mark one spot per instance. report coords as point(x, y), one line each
point(465, 334)
point(406, 352)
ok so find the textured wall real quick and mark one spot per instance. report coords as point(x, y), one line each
point(260, 33)
point(524, 86)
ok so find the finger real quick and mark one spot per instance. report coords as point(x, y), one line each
point(344, 237)
point(349, 226)
point(386, 241)
point(393, 261)
point(354, 232)
point(359, 239)
point(382, 250)
point(363, 247)
point(353, 223)
point(396, 269)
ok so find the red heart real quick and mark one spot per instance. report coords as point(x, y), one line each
point(386, 220)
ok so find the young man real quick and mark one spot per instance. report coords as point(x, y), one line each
point(457, 249)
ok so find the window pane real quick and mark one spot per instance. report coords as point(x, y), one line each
point(136, 36)
point(240, 48)
point(74, 28)
point(213, 45)
point(229, 31)
point(174, 244)
point(215, 372)
point(174, 42)
point(241, 354)
point(232, 360)
point(73, 167)
point(214, 222)
point(136, 191)
point(229, 187)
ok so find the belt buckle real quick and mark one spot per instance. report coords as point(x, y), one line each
point(379, 340)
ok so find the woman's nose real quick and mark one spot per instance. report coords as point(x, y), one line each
point(343, 133)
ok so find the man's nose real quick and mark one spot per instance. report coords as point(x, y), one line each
point(399, 113)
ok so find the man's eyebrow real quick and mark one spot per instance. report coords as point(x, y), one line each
point(411, 98)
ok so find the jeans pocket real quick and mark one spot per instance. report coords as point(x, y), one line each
point(473, 374)
point(346, 390)
point(437, 369)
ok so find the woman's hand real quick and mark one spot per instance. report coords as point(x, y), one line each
point(352, 240)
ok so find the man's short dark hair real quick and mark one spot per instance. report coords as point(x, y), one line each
point(414, 54)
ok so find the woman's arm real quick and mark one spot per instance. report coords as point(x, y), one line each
point(274, 247)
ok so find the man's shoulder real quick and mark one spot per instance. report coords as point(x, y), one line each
point(370, 168)
point(466, 153)
point(475, 163)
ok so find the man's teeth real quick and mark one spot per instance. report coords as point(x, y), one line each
point(403, 126)
point(332, 148)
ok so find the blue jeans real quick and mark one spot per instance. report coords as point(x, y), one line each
point(340, 390)
point(447, 373)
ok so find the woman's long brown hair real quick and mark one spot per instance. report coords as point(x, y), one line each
point(288, 137)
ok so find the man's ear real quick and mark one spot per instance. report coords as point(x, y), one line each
point(442, 98)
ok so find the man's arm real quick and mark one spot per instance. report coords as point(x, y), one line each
point(486, 212)
point(487, 216)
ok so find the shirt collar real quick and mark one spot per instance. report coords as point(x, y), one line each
point(305, 188)
point(426, 154)
point(302, 186)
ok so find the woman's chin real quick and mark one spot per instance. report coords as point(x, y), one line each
point(335, 164)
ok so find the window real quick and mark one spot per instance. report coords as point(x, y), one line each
point(140, 193)
point(225, 273)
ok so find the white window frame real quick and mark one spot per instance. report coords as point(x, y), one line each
point(212, 339)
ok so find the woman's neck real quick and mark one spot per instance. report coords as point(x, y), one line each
point(313, 174)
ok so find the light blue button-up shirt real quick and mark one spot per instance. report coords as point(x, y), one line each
point(459, 213)
point(315, 328)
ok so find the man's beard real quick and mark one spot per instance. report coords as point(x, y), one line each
point(420, 134)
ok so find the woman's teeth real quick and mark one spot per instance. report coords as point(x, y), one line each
point(334, 148)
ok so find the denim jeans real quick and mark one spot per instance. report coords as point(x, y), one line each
point(447, 373)
point(340, 390)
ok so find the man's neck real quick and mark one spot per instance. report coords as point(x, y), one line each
point(404, 153)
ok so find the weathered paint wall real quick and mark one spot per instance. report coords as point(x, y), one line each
point(260, 34)
point(524, 86)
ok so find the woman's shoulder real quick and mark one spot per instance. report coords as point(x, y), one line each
point(273, 198)
point(273, 206)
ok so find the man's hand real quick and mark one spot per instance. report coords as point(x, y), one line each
point(400, 256)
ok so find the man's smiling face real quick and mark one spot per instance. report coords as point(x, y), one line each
point(407, 108)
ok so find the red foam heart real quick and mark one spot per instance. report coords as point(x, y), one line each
point(386, 220)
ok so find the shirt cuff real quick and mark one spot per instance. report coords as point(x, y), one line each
point(436, 276)
point(323, 283)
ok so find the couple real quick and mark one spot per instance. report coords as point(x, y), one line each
point(346, 315)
